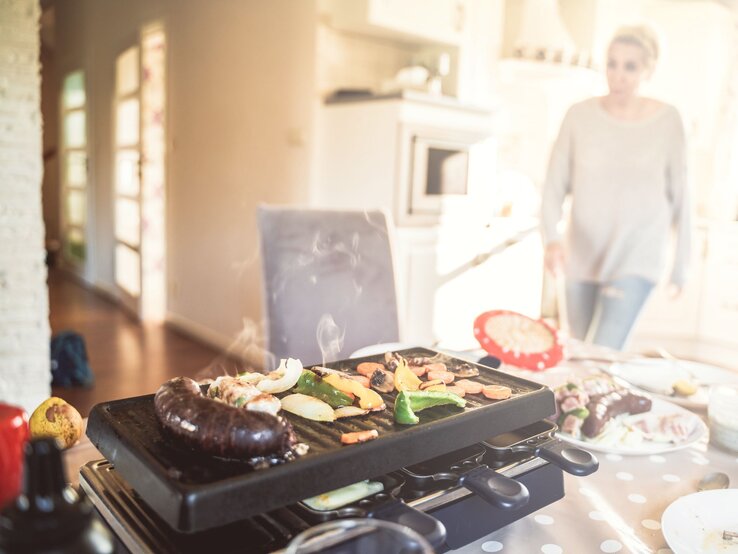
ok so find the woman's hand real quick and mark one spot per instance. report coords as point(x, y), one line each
point(554, 257)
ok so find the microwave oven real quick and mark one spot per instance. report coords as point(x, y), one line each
point(448, 173)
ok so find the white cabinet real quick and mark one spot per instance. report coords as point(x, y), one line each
point(422, 21)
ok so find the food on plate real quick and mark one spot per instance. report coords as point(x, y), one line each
point(338, 498)
point(235, 392)
point(218, 428)
point(313, 385)
point(308, 407)
point(518, 340)
point(57, 419)
point(392, 360)
point(405, 379)
point(665, 427)
point(586, 408)
point(349, 411)
point(682, 387)
point(382, 380)
point(472, 387)
point(496, 392)
point(359, 436)
point(368, 399)
point(409, 402)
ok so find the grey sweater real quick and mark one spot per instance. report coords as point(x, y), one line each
point(628, 188)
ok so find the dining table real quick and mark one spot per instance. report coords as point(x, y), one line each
point(618, 508)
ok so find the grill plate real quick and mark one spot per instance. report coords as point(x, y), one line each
point(192, 492)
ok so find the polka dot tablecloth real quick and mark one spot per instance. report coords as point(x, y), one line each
point(616, 509)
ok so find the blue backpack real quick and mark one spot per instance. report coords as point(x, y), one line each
point(69, 362)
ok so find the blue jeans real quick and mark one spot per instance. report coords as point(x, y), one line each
point(604, 313)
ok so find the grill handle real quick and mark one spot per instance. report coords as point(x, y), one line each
point(572, 460)
point(398, 512)
point(500, 491)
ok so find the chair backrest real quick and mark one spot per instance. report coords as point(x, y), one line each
point(328, 281)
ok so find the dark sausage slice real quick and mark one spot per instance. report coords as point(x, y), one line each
point(217, 428)
point(603, 407)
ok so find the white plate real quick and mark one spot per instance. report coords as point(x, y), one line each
point(646, 447)
point(694, 524)
point(657, 377)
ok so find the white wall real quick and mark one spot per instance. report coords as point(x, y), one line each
point(24, 304)
point(241, 104)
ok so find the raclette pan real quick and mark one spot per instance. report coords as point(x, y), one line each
point(537, 439)
point(384, 505)
point(465, 468)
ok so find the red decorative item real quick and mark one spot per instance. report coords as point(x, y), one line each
point(13, 435)
point(518, 340)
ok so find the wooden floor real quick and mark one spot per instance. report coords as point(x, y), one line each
point(127, 358)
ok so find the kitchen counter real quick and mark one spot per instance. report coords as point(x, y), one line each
point(360, 95)
point(616, 509)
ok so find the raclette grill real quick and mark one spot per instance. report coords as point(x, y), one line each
point(165, 485)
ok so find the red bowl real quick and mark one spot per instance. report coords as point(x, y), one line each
point(519, 355)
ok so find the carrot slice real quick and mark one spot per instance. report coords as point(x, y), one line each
point(445, 376)
point(359, 436)
point(458, 391)
point(472, 387)
point(497, 392)
point(367, 368)
point(361, 379)
point(418, 370)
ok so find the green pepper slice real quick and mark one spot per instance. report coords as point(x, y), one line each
point(409, 402)
point(311, 384)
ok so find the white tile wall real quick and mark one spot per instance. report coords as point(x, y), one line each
point(24, 305)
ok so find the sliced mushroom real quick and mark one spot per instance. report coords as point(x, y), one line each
point(464, 371)
point(382, 380)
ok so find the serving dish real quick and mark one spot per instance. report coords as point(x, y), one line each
point(607, 444)
point(658, 376)
point(694, 524)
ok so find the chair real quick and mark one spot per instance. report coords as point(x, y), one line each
point(328, 282)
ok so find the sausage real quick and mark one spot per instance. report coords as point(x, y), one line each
point(603, 407)
point(219, 429)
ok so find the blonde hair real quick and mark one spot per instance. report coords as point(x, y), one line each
point(643, 36)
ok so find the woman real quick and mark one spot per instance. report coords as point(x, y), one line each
point(622, 160)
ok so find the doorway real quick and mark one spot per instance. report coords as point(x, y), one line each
point(139, 149)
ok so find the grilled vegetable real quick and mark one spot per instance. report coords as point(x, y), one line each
point(497, 392)
point(308, 407)
point(382, 380)
point(445, 376)
point(368, 399)
point(282, 378)
point(429, 384)
point(405, 379)
point(367, 368)
point(359, 436)
point(362, 379)
point(465, 370)
point(472, 387)
point(349, 411)
point(313, 385)
point(409, 402)
point(338, 498)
